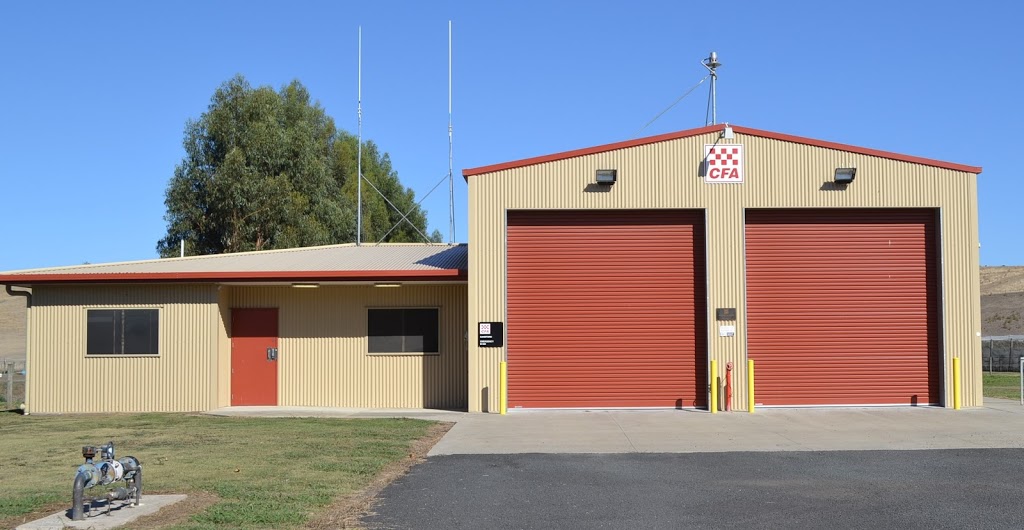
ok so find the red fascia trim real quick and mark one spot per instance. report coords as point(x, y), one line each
point(588, 151)
point(860, 150)
point(466, 173)
point(272, 276)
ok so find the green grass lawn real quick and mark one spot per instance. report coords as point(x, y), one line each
point(1001, 385)
point(266, 472)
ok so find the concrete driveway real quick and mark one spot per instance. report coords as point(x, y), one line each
point(1000, 424)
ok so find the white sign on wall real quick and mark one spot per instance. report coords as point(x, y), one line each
point(723, 163)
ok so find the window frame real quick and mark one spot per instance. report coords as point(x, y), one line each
point(436, 309)
point(159, 335)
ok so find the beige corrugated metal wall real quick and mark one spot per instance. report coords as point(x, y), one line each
point(323, 358)
point(182, 378)
point(778, 174)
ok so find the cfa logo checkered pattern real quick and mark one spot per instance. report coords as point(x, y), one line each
point(724, 155)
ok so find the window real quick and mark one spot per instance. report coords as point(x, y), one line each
point(122, 332)
point(402, 330)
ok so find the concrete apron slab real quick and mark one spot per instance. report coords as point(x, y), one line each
point(998, 425)
point(120, 515)
point(335, 412)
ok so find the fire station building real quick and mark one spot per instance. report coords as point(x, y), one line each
point(631, 275)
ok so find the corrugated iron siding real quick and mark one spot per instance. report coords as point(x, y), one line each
point(606, 309)
point(182, 378)
point(323, 359)
point(842, 306)
point(779, 174)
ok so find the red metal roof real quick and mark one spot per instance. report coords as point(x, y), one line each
point(466, 173)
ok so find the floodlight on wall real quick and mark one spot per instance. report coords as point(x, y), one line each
point(606, 177)
point(306, 285)
point(387, 284)
point(845, 175)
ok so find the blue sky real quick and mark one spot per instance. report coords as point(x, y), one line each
point(96, 95)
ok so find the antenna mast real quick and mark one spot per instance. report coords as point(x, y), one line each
point(359, 146)
point(451, 185)
point(712, 64)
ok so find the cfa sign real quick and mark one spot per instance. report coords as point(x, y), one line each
point(723, 163)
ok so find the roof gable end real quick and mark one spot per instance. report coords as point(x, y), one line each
point(466, 173)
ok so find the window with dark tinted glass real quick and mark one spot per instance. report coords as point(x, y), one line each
point(402, 330)
point(122, 332)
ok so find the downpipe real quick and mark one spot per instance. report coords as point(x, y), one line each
point(26, 294)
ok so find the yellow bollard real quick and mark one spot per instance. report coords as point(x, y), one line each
point(713, 406)
point(956, 383)
point(750, 386)
point(503, 388)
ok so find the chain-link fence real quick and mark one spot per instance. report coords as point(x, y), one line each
point(1002, 354)
point(12, 384)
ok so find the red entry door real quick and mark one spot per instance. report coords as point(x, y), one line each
point(253, 357)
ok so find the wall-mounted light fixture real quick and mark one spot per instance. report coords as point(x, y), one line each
point(845, 175)
point(727, 133)
point(305, 285)
point(385, 284)
point(606, 177)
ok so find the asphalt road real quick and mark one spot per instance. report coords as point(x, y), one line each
point(971, 488)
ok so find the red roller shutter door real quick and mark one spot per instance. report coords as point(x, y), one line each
point(842, 306)
point(606, 309)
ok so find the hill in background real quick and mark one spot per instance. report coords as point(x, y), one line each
point(1002, 310)
point(1002, 301)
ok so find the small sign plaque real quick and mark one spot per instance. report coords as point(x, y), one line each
point(491, 334)
point(726, 331)
point(723, 163)
point(725, 313)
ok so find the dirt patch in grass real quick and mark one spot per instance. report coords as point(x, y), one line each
point(346, 511)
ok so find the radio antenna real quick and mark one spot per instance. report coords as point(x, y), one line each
point(359, 146)
point(712, 64)
point(451, 185)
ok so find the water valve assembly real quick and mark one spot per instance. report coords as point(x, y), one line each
point(105, 472)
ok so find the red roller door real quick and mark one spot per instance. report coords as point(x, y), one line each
point(842, 306)
point(606, 309)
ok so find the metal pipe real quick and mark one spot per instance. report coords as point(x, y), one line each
point(451, 185)
point(137, 482)
point(956, 383)
point(713, 402)
point(728, 386)
point(76, 497)
point(359, 146)
point(26, 294)
point(503, 388)
point(750, 386)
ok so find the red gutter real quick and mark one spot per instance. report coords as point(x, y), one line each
point(270, 276)
point(466, 173)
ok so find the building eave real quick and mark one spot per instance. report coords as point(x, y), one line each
point(466, 173)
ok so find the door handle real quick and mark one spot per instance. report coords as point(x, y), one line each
point(271, 354)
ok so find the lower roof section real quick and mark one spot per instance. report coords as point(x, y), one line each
point(331, 263)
